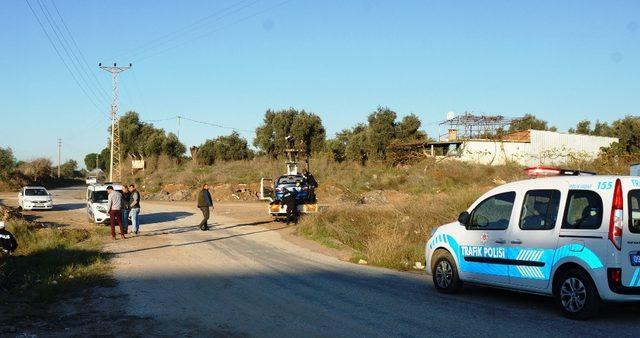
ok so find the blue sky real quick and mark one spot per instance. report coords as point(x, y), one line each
point(561, 60)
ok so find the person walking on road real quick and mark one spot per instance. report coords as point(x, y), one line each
point(134, 208)
point(8, 243)
point(114, 206)
point(125, 208)
point(204, 203)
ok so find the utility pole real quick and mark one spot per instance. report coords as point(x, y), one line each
point(114, 166)
point(97, 162)
point(59, 156)
point(178, 131)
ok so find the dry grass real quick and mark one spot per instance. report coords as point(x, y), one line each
point(52, 260)
point(391, 236)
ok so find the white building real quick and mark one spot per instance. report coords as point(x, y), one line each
point(531, 147)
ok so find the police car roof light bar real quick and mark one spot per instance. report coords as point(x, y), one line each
point(542, 171)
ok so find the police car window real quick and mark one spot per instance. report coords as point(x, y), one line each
point(540, 210)
point(634, 211)
point(493, 213)
point(583, 210)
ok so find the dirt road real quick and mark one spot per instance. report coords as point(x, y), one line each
point(242, 278)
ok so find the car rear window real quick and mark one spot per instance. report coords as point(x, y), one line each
point(540, 210)
point(583, 210)
point(634, 211)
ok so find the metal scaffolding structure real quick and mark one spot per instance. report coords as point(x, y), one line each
point(470, 126)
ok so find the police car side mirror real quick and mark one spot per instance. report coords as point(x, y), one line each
point(464, 218)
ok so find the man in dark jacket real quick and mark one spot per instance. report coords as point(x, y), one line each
point(312, 184)
point(289, 199)
point(8, 243)
point(204, 203)
point(126, 195)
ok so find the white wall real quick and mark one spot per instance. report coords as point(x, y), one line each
point(545, 148)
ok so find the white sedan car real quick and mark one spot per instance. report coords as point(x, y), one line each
point(35, 198)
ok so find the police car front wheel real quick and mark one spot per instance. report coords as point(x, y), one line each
point(445, 273)
point(577, 295)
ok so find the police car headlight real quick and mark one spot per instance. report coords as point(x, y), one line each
point(433, 231)
point(101, 208)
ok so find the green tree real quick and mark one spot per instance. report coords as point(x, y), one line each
point(224, 148)
point(583, 127)
point(337, 146)
point(139, 138)
point(309, 133)
point(92, 161)
point(409, 129)
point(232, 147)
point(305, 127)
point(172, 147)
point(356, 149)
point(37, 169)
point(6, 160)
point(381, 132)
point(627, 130)
point(68, 169)
point(602, 129)
point(207, 153)
point(529, 121)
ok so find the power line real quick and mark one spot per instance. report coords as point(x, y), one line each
point(198, 24)
point(66, 47)
point(88, 68)
point(213, 31)
point(55, 48)
point(216, 125)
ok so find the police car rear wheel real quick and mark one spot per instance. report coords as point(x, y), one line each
point(445, 273)
point(577, 295)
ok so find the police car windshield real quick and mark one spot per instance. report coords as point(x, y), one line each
point(35, 192)
point(100, 196)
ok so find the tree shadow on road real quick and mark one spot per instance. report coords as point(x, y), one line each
point(163, 217)
point(197, 242)
point(68, 206)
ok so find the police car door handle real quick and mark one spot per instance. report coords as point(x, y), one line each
point(500, 241)
point(516, 241)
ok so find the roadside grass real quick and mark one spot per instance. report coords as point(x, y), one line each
point(51, 261)
point(392, 236)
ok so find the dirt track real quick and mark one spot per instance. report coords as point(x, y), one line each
point(243, 278)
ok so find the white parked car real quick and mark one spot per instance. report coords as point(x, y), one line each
point(97, 198)
point(35, 198)
point(574, 236)
point(91, 180)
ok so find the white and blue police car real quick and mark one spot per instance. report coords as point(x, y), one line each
point(568, 234)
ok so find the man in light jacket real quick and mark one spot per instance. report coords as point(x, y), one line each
point(114, 205)
point(204, 203)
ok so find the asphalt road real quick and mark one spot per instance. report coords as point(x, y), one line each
point(242, 278)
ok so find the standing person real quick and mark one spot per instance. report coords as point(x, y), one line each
point(289, 198)
point(204, 203)
point(134, 208)
point(312, 184)
point(114, 205)
point(8, 243)
point(125, 208)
